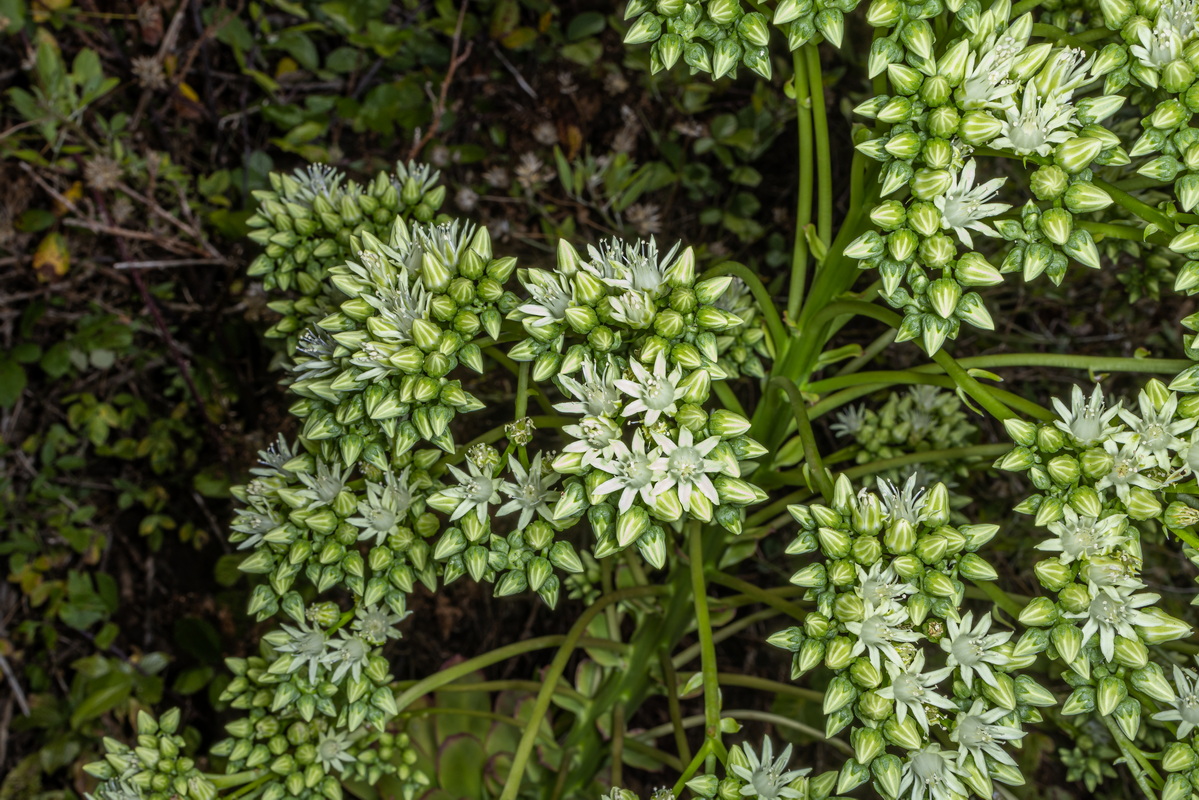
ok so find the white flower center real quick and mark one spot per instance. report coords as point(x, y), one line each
point(686, 464)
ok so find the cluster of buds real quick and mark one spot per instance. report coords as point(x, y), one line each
point(716, 36)
point(888, 594)
point(308, 222)
point(1156, 46)
point(992, 88)
point(306, 725)
point(922, 419)
point(631, 341)
point(749, 774)
point(525, 558)
point(1100, 470)
point(304, 517)
point(375, 373)
point(742, 347)
point(157, 767)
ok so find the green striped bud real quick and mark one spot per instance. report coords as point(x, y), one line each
point(754, 29)
point(837, 653)
point(1179, 757)
point(1110, 693)
point(647, 28)
point(831, 23)
point(876, 708)
point(906, 734)
point(917, 36)
point(929, 183)
point(979, 127)
point(725, 57)
point(1151, 680)
point(1040, 612)
point(853, 774)
point(888, 771)
point(943, 296)
point(1131, 653)
point(972, 567)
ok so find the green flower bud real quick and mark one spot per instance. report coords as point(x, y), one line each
point(906, 80)
point(754, 29)
point(1179, 757)
point(1131, 653)
point(906, 734)
point(888, 771)
point(978, 128)
point(1031, 643)
point(1040, 612)
point(831, 23)
point(936, 92)
point(853, 774)
point(810, 655)
point(883, 51)
point(943, 295)
point(1177, 786)
point(725, 56)
point(1110, 693)
point(929, 183)
point(873, 707)
point(647, 28)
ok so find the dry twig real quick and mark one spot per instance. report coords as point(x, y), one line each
point(439, 103)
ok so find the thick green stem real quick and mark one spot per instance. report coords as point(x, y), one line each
point(703, 623)
point(824, 204)
point(522, 390)
point(558, 666)
point(804, 427)
point(462, 669)
point(1146, 776)
point(766, 685)
point(1141, 209)
point(803, 209)
point(700, 757)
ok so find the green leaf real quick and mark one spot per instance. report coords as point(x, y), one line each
point(584, 53)
point(212, 482)
point(460, 766)
point(504, 18)
point(589, 23)
point(26, 352)
point(226, 571)
point(113, 689)
point(14, 12)
point(193, 680)
point(33, 220)
point(300, 47)
point(12, 381)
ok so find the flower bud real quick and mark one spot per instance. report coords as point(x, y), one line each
point(753, 28)
point(906, 734)
point(888, 771)
point(929, 183)
point(1109, 694)
point(978, 128)
point(1040, 612)
point(1131, 653)
point(1179, 757)
point(647, 28)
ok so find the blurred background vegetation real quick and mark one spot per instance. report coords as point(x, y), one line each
point(135, 386)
